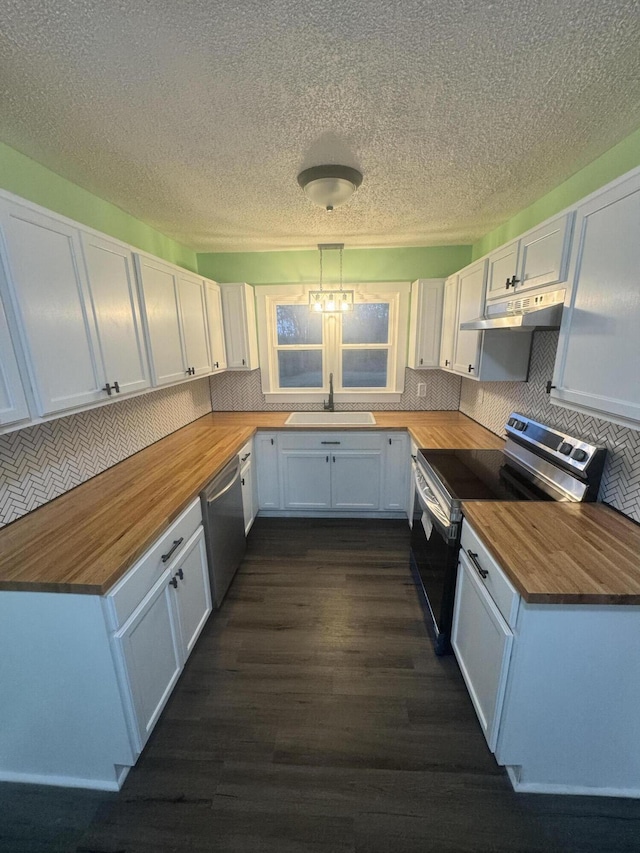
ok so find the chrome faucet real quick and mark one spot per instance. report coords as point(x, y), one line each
point(328, 404)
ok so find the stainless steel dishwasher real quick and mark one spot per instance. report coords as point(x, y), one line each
point(223, 520)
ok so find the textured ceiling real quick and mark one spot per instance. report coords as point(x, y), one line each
point(196, 116)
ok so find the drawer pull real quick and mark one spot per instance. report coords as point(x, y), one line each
point(474, 559)
point(329, 442)
point(245, 457)
point(176, 544)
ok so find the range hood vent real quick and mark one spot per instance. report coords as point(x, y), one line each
point(543, 311)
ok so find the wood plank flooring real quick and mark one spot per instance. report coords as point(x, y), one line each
point(314, 716)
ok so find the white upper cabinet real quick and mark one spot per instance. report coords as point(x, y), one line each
point(239, 312)
point(193, 313)
point(46, 276)
point(13, 403)
point(503, 268)
point(425, 323)
point(449, 324)
point(598, 357)
point(217, 346)
point(472, 282)
point(114, 297)
point(538, 259)
point(159, 291)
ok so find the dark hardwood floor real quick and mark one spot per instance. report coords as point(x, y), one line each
point(314, 716)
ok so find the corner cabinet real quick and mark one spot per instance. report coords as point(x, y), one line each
point(596, 368)
point(240, 331)
point(425, 323)
point(471, 285)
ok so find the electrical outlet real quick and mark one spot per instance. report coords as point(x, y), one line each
point(422, 389)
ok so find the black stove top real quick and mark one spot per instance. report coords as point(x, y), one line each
point(480, 475)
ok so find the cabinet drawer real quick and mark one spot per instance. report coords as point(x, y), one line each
point(496, 583)
point(136, 583)
point(330, 440)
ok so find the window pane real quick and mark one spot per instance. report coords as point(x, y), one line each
point(300, 368)
point(364, 368)
point(368, 323)
point(298, 325)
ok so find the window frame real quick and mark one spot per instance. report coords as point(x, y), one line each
point(396, 294)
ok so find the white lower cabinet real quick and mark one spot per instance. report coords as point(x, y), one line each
point(555, 686)
point(102, 667)
point(249, 490)
point(307, 472)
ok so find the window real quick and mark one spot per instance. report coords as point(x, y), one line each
point(364, 349)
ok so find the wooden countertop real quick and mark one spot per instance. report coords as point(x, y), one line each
point(561, 553)
point(85, 540)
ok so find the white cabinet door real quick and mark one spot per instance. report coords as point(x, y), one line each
point(13, 403)
point(425, 323)
point(192, 591)
point(239, 312)
point(544, 254)
point(150, 644)
point(449, 322)
point(162, 315)
point(470, 305)
point(599, 349)
point(482, 641)
point(246, 481)
point(306, 479)
point(356, 480)
point(195, 332)
point(396, 469)
point(502, 270)
point(216, 329)
point(44, 267)
point(267, 470)
point(114, 296)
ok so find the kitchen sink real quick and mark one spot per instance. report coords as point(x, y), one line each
point(330, 419)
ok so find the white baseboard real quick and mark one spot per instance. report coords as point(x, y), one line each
point(574, 790)
point(66, 781)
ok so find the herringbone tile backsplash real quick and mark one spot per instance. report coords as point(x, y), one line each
point(231, 392)
point(41, 462)
point(490, 403)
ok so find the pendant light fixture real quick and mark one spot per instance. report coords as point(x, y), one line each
point(333, 301)
point(329, 186)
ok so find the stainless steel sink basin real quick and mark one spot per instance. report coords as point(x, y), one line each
point(330, 419)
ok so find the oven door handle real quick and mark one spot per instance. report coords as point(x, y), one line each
point(428, 499)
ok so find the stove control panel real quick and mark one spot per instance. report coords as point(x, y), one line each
point(571, 452)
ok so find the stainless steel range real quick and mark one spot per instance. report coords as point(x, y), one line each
point(537, 463)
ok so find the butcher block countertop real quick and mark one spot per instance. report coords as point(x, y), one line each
point(561, 553)
point(85, 540)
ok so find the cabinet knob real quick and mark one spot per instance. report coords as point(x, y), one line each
point(216, 364)
point(180, 574)
point(116, 385)
point(470, 368)
point(242, 481)
point(174, 583)
point(446, 362)
point(243, 361)
point(549, 386)
point(108, 388)
point(421, 361)
point(507, 283)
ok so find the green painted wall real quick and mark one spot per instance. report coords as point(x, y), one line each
point(31, 180)
point(359, 265)
point(615, 162)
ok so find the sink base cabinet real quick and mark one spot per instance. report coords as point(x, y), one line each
point(309, 473)
point(80, 693)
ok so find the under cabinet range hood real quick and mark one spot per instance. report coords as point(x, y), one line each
point(543, 311)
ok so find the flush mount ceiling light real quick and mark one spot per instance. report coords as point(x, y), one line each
point(332, 301)
point(329, 186)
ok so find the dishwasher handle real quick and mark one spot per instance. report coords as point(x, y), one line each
point(222, 483)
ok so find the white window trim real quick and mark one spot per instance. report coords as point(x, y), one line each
point(396, 293)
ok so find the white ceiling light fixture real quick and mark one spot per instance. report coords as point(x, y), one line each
point(334, 301)
point(329, 186)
